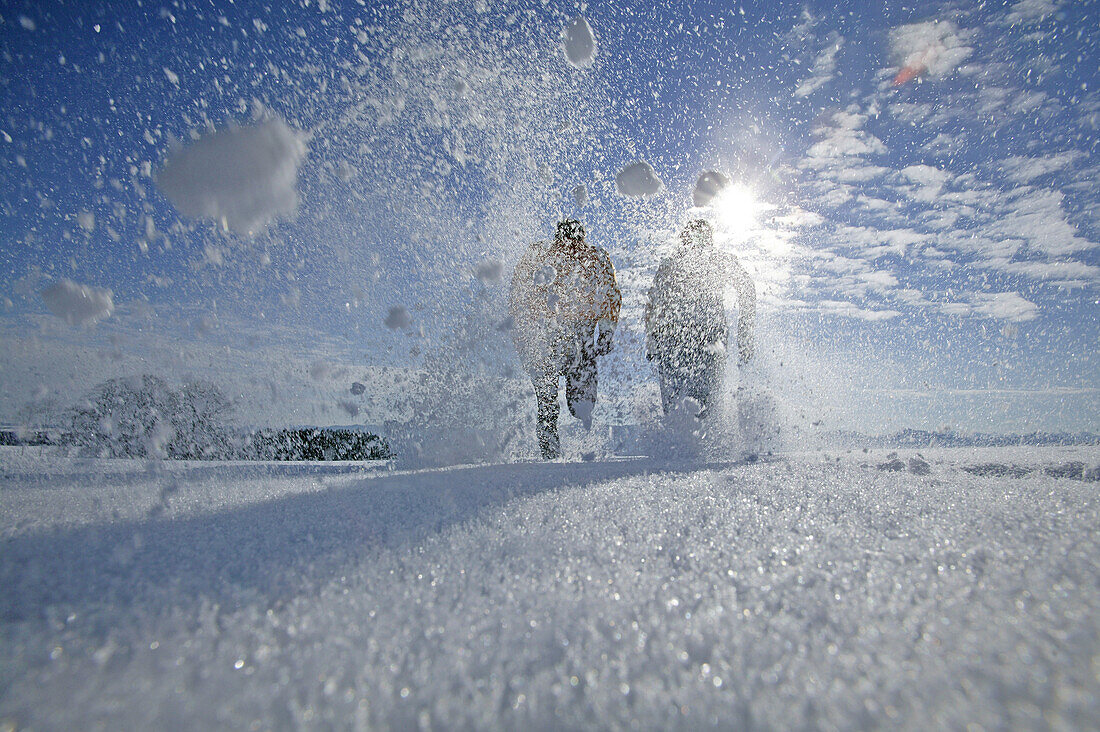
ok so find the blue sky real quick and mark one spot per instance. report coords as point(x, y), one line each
point(927, 252)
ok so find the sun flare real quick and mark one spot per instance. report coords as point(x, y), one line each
point(737, 210)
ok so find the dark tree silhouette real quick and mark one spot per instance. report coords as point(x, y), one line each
point(145, 417)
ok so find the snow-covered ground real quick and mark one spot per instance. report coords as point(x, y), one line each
point(815, 589)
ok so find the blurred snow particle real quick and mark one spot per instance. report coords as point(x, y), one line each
point(398, 317)
point(172, 76)
point(86, 219)
point(27, 23)
point(358, 388)
point(242, 176)
point(580, 195)
point(709, 184)
point(579, 43)
point(344, 171)
point(320, 371)
point(638, 180)
point(934, 48)
point(490, 270)
point(78, 304)
point(206, 325)
point(546, 275)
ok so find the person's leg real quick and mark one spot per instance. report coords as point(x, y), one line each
point(546, 396)
point(675, 370)
point(581, 382)
point(707, 380)
point(686, 374)
point(668, 386)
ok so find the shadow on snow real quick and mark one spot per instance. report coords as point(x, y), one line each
point(264, 553)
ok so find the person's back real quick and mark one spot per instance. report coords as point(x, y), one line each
point(686, 324)
point(686, 309)
point(562, 294)
point(557, 290)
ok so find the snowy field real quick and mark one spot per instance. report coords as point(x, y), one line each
point(821, 590)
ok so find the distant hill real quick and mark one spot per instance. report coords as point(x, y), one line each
point(951, 438)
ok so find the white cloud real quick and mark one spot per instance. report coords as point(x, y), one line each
point(824, 67)
point(1026, 169)
point(999, 305)
point(859, 174)
point(929, 181)
point(1027, 101)
point(934, 48)
point(1028, 11)
point(872, 243)
point(850, 310)
point(1037, 216)
point(841, 142)
point(1069, 273)
point(1005, 306)
point(879, 280)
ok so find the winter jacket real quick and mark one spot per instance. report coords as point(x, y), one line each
point(685, 317)
point(560, 293)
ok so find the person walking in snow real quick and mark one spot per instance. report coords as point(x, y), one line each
point(685, 318)
point(565, 306)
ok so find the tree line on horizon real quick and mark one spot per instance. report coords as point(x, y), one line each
point(145, 417)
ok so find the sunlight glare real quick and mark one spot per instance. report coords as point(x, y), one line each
point(736, 210)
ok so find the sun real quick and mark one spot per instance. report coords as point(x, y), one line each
point(746, 226)
point(737, 211)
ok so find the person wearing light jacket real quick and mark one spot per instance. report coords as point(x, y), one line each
point(687, 332)
point(565, 306)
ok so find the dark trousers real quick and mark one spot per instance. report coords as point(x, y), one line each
point(696, 375)
point(579, 369)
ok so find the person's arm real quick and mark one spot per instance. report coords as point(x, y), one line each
point(653, 309)
point(650, 341)
point(613, 301)
point(746, 308)
point(519, 294)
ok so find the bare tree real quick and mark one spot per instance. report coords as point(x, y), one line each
point(145, 417)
